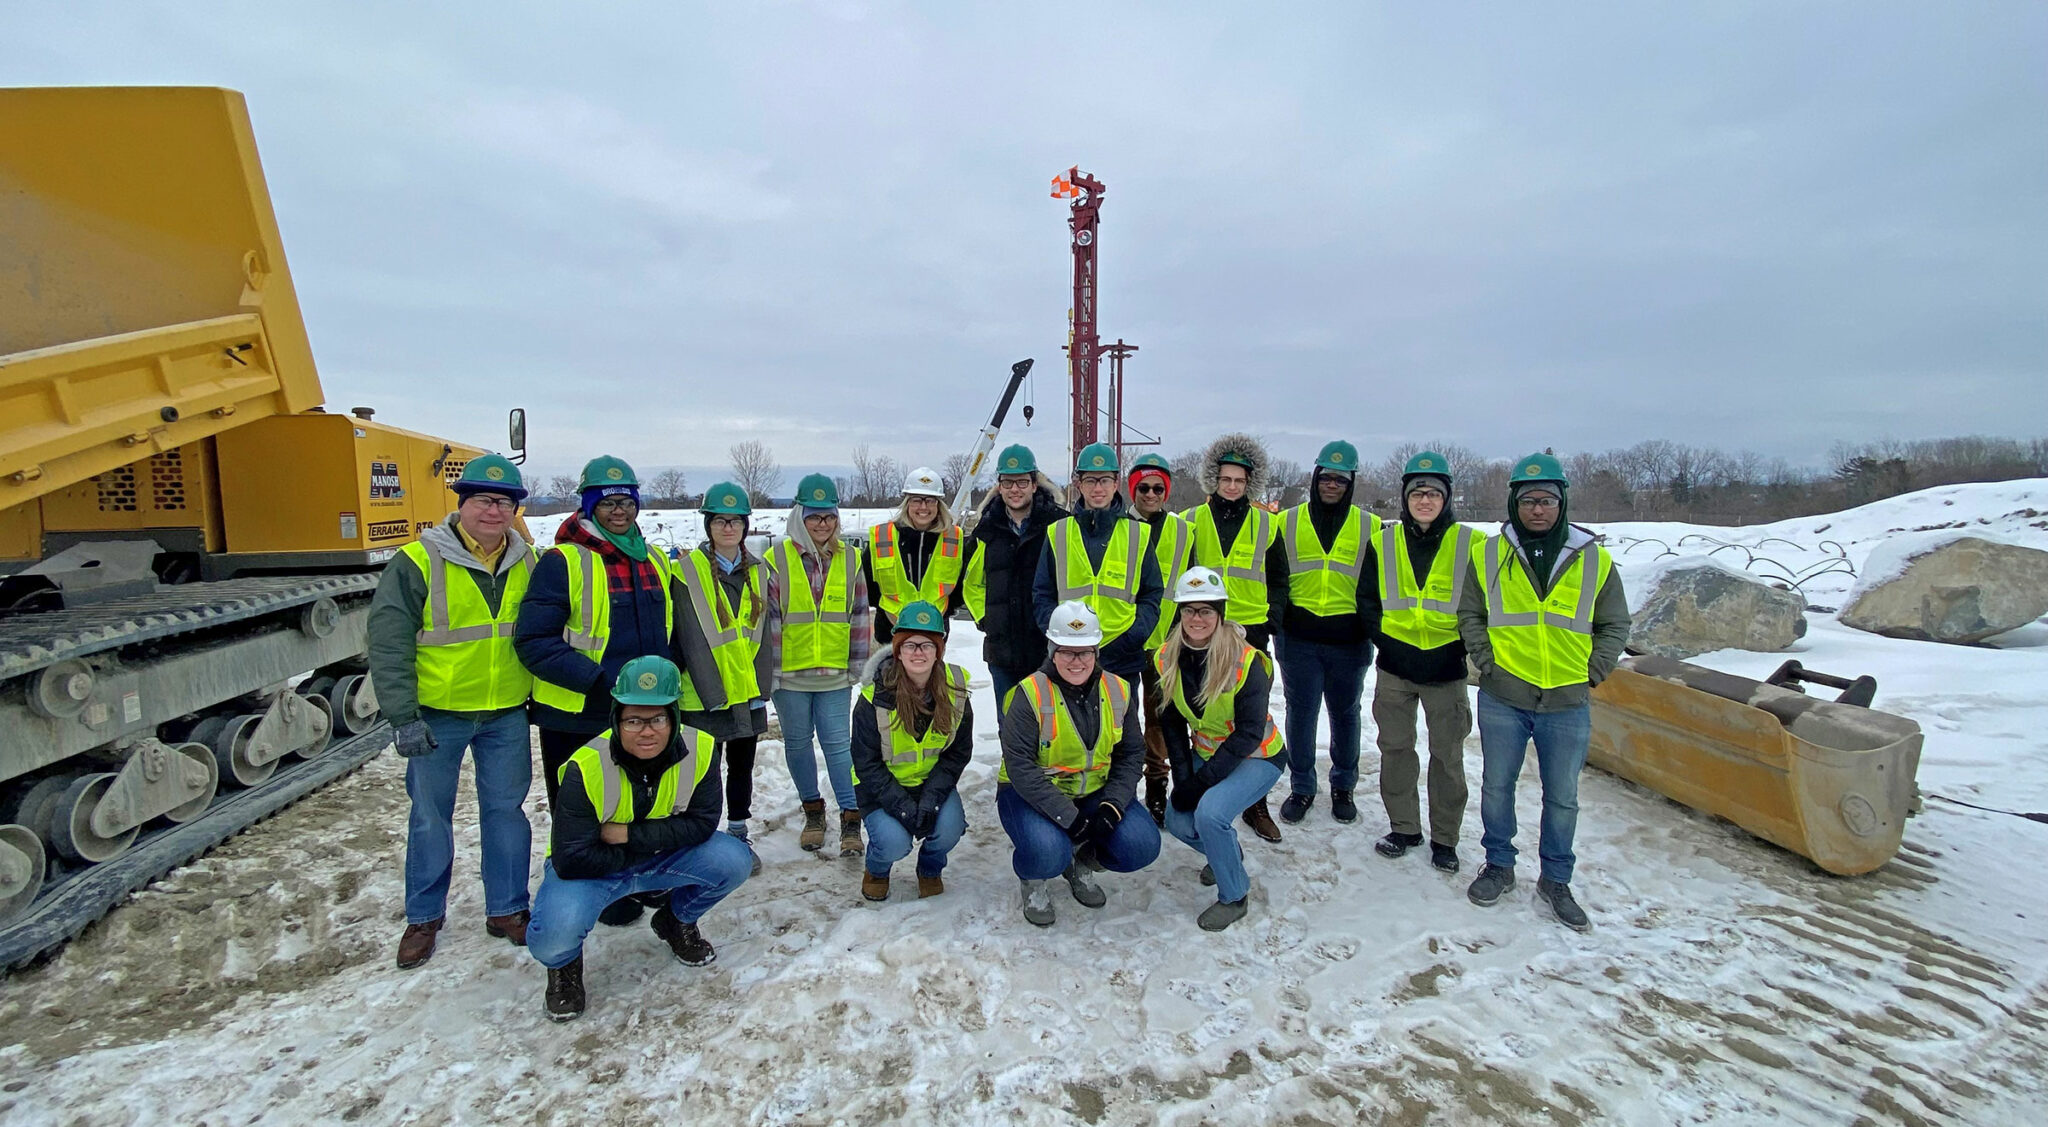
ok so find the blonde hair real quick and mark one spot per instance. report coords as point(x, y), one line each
point(1220, 675)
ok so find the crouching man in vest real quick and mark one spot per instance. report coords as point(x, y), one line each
point(637, 813)
point(1544, 622)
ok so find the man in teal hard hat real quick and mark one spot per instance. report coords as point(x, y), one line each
point(446, 677)
point(1151, 491)
point(637, 817)
point(1008, 541)
point(1544, 620)
point(1102, 556)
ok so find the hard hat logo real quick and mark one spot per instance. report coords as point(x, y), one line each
point(1096, 461)
point(1012, 463)
point(1426, 464)
point(495, 473)
point(1533, 470)
point(817, 495)
point(1075, 624)
point(1337, 456)
point(614, 474)
point(647, 680)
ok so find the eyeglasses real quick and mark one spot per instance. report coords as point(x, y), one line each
point(1200, 610)
point(1014, 483)
point(821, 518)
point(644, 724)
point(1149, 489)
point(618, 503)
point(728, 522)
point(1536, 502)
point(919, 648)
point(1098, 479)
point(1064, 654)
point(491, 501)
point(1426, 495)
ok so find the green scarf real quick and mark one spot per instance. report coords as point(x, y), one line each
point(629, 542)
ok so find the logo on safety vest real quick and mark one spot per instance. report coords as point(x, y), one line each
point(647, 681)
point(495, 473)
point(614, 474)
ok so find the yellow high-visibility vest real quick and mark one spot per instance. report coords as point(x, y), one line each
point(1244, 568)
point(911, 758)
point(604, 780)
point(941, 571)
point(1110, 591)
point(1546, 641)
point(465, 661)
point(1173, 544)
point(1210, 726)
point(1424, 616)
point(817, 632)
point(733, 632)
point(1323, 580)
point(1075, 768)
point(589, 629)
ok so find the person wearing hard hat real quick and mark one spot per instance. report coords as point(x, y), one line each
point(1220, 737)
point(1545, 621)
point(1151, 486)
point(1072, 753)
point(1325, 640)
point(1102, 556)
point(913, 732)
point(637, 817)
point(1422, 563)
point(446, 676)
point(721, 599)
point(1008, 540)
point(1240, 541)
point(919, 553)
point(819, 635)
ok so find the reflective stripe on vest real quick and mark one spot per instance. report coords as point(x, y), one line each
point(589, 628)
point(1424, 616)
point(1075, 768)
point(1172, 544)
point(465, 661)
point(941, 571)
point(604, 781)
point(1209, 728)
point(815, 634)
point(1545, 641)
point(974, 585)
point(1111, 593)
point(1324, 581)
point(1244, 568)
point(731, 632)
point(910, 758)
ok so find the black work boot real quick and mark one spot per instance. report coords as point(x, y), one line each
point(621, 912)
point(1443, 856)
point(1396, 845)
point(1296, 807)
point(565, 992)
point(1559, 898)
point(690, 947)
point(1343, 807)
point(1489, 884)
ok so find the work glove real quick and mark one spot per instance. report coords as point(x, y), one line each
point(1078, 830)
point(927, 815)
point(1103, 826)
point(1187, 796)
point(415, 739)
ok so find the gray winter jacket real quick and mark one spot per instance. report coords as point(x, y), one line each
point(691, 650)
point(401, 600)
point(1610, 631)
point(1019, 733)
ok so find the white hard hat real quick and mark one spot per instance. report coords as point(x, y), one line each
point(923, 482)
point(1073, 624)
point(1199, 585)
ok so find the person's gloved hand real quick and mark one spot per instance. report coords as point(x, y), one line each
point(415, 739)
point(1103, 825)
point(927, 816)
point(1187, 795)
point(1078, 831)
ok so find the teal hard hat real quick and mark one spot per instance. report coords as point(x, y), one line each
point(727, 499)
point(921, 617)
point(1538, 467)
point(1427, 462)
point(648, 679)
point(1016, 458)
point(1096, 457)
point(1340, 456)
point(490, 473)
point(1152, 462)
point(816, 491)
point(605, 470)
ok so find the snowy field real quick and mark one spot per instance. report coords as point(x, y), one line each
point(1725, 980)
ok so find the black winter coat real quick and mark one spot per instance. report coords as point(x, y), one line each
point(581, 854)
point(1012, 640)
point(875, 787)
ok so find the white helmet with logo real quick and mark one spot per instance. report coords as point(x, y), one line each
point(1199, 585)
point(1073, 624)
point(923, 482)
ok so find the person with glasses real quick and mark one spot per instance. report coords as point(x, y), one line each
point(637, 818)
point(446, 677)
point(919, 553)
point(1151, 484)
point(1220, 737)
point(1544, 621)
point(1008, 540)
point(721, 599)
point(1072, 754)
point(913, 732)
point(819, 635)
point(1102, 556)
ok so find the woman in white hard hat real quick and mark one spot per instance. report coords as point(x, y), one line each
point(1221, 742)
point(1072, 755)
point(918, 554)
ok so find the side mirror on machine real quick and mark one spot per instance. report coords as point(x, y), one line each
point(517, 440)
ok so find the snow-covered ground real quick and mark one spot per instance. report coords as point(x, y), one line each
point(1725, 980)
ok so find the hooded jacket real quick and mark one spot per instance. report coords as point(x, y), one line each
point(1359, 626)
point(580, 853)
point(1610, 629)
point(875, 786)
point(1230, 519)
point(1446, 662)
point(639, 627)
point(1125, 655)
point(400, 602)
point(917, 548)
point(1019, 734)
point(1012, 639)
point(860, 640)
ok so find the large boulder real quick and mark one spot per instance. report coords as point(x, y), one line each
point(1948, 587)
point(1690, 605)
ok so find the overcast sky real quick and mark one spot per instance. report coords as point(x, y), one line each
point(666, 227)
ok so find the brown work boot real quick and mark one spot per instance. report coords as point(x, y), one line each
point(929, 885)
point(813, 837)
point(512, 927)
point(874, 887)
point(1155, 799)
point(849, 834)
point(416, 946)
point(1260, 820)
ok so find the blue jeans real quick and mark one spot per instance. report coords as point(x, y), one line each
point(1211, 826)
point(828, 714)
point(1313, 675)
point(1504, 735)
point(889, 842)
point(695, 878)
point(1043, 851)
point(504, 773)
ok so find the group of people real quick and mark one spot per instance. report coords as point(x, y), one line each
point(1128, 645)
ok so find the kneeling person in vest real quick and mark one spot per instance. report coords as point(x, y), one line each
point(1544, 620)
point(638, 814)
point(1220, 739)
point(1072, 755)
point(913, 732)
point(446, 676)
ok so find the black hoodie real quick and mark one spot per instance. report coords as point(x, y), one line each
point(580, 853)
point(1541, 548)
point(1230, 517)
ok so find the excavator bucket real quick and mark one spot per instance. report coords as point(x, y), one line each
point(1829, 781)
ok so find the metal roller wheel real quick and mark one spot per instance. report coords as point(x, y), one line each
point(35, 805)
point(198, 757)
point(327, 725)
point(21, 869)
point(71, 832)
point(352, 701)
point(231, 752)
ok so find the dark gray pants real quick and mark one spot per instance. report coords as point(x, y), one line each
point(1448, 711)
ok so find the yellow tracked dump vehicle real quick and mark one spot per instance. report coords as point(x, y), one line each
point(188, 541)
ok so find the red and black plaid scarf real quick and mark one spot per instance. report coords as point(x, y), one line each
point(621, 572)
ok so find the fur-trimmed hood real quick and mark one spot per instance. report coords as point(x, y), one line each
point(1253, 451)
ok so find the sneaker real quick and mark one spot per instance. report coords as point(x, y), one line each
point(1038, 902)
point(416, 946)
point(1489, 884)
point(1443, 857)
point(512, 927)
point(849, 834)
point(929, 886)
point(874, 887)
point(619, 913)
point(1296, 807)
point(564, 1000)
point(1396, 845)
point(1260, 820)
point(1343, 807)
point(1566, 909)
point(812, 838)
point(690, 947)
point(1221, 914)
point(1082, 884)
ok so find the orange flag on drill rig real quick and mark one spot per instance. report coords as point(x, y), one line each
point(1063, 188)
